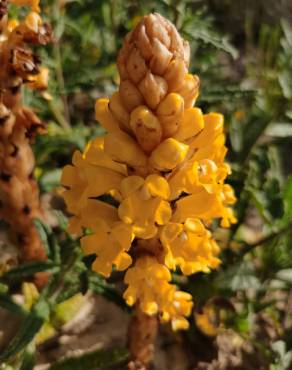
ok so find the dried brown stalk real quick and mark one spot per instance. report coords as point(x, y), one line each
point(19, 194)
point(141, 337)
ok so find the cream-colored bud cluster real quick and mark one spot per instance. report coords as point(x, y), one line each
point(155, 86)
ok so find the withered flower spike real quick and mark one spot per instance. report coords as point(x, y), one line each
point(19, 194)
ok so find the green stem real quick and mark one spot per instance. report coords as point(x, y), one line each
point(248, 247)
point(58, 115)
point(59, 68)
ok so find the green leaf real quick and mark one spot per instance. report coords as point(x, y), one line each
point(43, 230)
point(238, 277)
point(98, 360)
point(29, 328)
point(7, 302)
point(288, 200)
point(49, 241)
point(50, 180)
point(29, 269)
point(28, 358)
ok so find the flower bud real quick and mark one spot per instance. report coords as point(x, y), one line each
point(146, 127)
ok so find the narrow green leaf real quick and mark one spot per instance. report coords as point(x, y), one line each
point(7, 303)
point(43, 230)
point(29, 269)
point(28, 358)
point(29, 328)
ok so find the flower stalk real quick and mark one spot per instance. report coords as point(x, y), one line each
point(162, 165)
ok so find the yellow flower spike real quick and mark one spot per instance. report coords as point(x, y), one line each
point(146, 127)
point(119, 112)
point(168, 154)
point(124, 149)
point(130, 95)
point(104, 116)
point(190, 90)
point(162, 165)
point(191, 124)
point(170, 112)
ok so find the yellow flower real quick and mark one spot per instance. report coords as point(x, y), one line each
point(40, 81)
point(148, 284)
point(110, 244)
point(122, 148)
point(194, 175)
point(206, 321)
point(189, 246)
point(145, 204)
point(93, 174)
point(168, 155)
point(209, 143)
point(176, 308)
point(207, 207)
